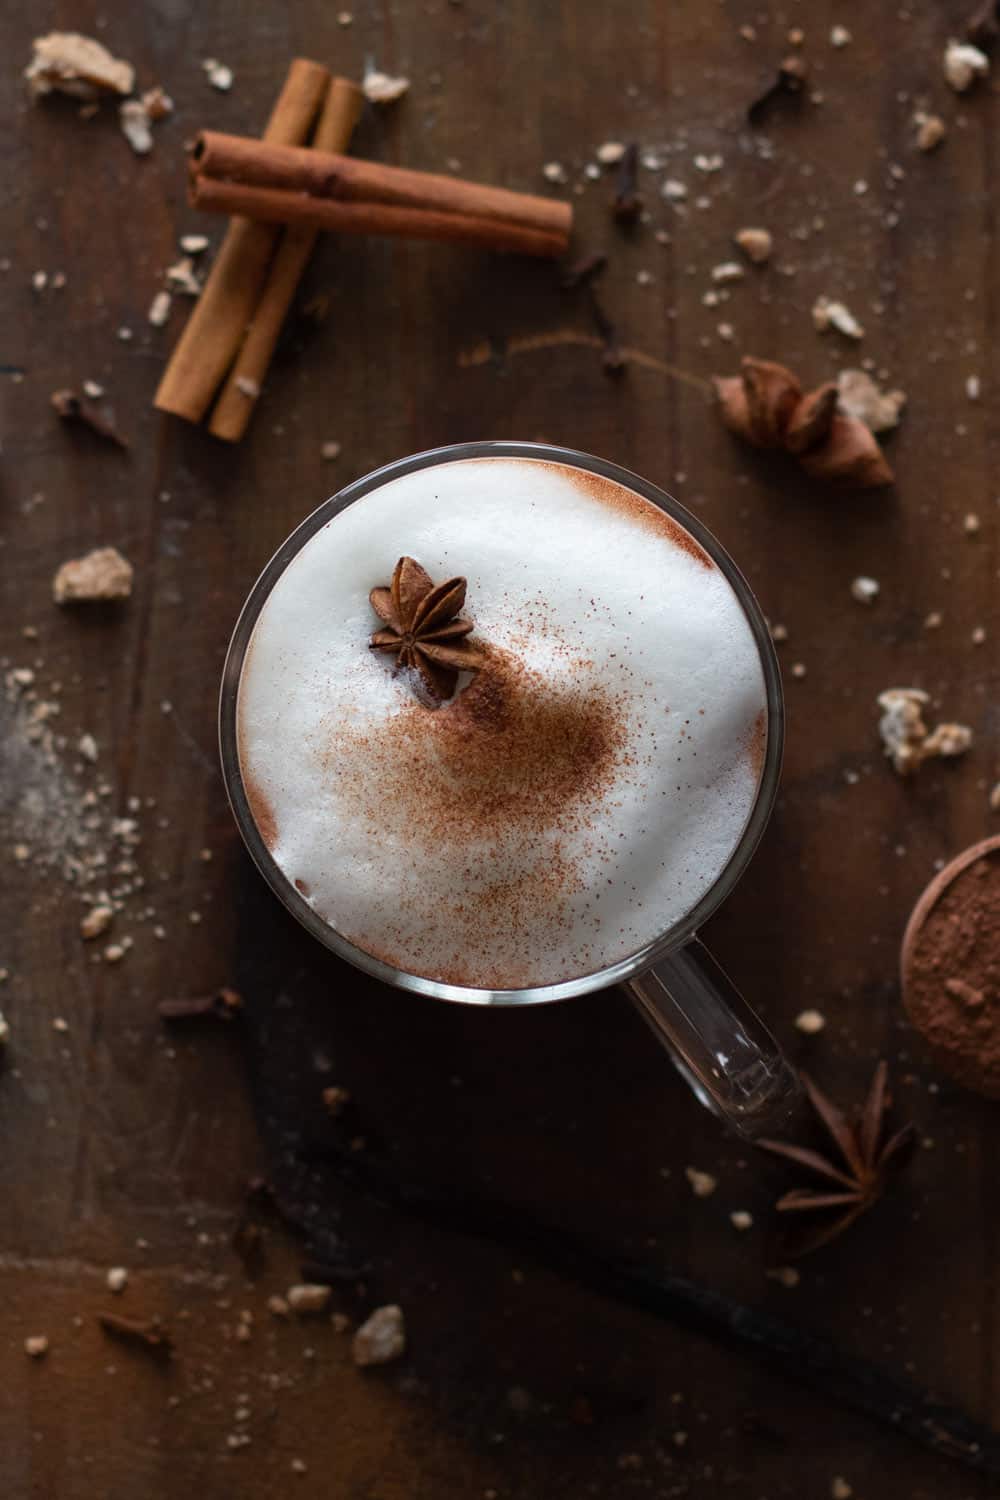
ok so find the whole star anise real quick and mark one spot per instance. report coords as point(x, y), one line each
point(860, 1169)
point(424, 629)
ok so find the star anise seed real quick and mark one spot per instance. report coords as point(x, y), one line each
point(425, 629)
point(859, 1177)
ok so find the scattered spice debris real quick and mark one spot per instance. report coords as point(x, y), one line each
point(627, 203)
point(381, 1338)
point(810, 1022)
point(789, 83)
point(381, 88)
point(218, 75)
point(308, 1297)
point(756, 244)
point(703, 1184)
point(102, 575)
point(861, 1166)
point(905, 736)
point(931, 130)
point(78, 409)
point(828, 314)
point(766, 406)
point(963, 64)
point(221, 1005)
point(859, 396)
point(142, 1333)
point(67, 63)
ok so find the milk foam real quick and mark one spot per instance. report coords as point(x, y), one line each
point(571, 805)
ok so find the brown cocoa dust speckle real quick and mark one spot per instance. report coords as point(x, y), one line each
point(521, 761)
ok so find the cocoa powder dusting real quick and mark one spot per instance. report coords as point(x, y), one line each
point(951, 968)
point(627, 503)
point(522, 766)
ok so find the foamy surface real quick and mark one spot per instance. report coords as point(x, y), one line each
point(576, 799)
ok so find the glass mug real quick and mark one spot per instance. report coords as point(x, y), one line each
point(715, 1040)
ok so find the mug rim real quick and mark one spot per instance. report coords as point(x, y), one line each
point(681, 931)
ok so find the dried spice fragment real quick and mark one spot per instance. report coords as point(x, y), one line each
point(931, 130)
point(67, 63)
point(765, 405)
point(827, 313)
point(789, 83)
point(223, 1004)
point(626, 205)
point(855, 1174)
point(756, 244)
point(100, 576)
point(148, 1334)
point(73, 408)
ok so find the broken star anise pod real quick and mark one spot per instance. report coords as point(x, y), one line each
point(855, 1174)
point(425, 630)
point(766, 405)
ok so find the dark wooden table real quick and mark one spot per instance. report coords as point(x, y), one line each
point(123, 1144)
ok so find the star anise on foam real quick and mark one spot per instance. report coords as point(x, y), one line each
point(857, 1173)
point(424, 627)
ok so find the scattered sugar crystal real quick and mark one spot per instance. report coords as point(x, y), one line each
point(674, 189)
point(741, 1219)
point(117, 1279)
point(36, 1346)
point(554, 171)
point(728, 270)
point(970, 523)
point(839, 36)
point(756, 244)
point(973, 387)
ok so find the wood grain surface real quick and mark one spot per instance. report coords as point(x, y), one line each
point(124, 1144)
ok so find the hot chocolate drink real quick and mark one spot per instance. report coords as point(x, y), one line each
point(579, 793)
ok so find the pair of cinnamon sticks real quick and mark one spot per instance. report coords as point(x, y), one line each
point(282, 194)
point(230, 337)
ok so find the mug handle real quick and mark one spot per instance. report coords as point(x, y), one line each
point(715, 1040)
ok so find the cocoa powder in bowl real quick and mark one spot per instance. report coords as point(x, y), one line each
point(951, 968)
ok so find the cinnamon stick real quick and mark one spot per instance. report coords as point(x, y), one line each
point(213, 332)
point(235, 405)
point(324, 190)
